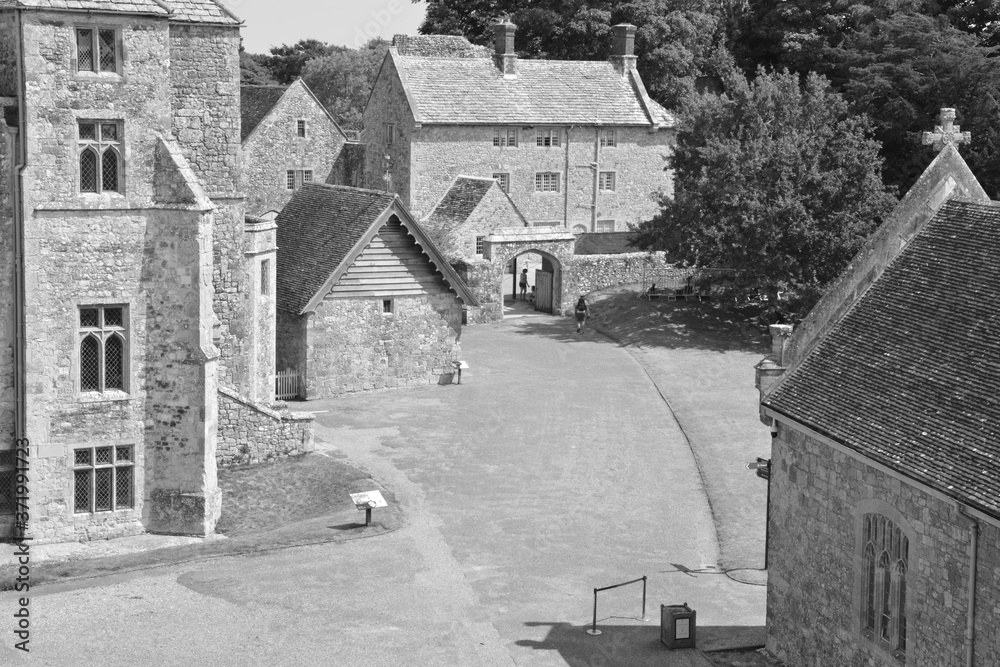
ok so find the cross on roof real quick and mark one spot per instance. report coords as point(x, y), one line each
point(947, 132)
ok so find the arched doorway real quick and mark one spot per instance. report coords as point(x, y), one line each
point(545, 253)
point(539, 271)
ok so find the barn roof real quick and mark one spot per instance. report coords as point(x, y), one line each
point(908, 377)
point(323, 229)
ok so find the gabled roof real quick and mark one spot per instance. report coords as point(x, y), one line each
point(461, 199)
point(325, 227)
point(472, 90)
point(604, 243)
point(909, 376)
point(257, 103)
point(187, 11)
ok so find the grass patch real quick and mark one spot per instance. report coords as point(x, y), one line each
point(270, 495)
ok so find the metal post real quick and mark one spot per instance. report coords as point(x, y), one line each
point(368, 516)
point(767, 521)
point(593, 630)
point(644, 619)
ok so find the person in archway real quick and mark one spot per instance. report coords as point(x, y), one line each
point(523, 283)
point(582, 311)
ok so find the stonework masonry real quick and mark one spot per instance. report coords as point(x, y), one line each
point(274, 147)
point(589, 273)
point(250, 432)
point(388, 105)
point(354, 346)
point(818, 496)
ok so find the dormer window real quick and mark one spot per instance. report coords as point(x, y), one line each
point(97, 50)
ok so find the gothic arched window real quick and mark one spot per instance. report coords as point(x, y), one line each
point(883, 591)
point(101, 161)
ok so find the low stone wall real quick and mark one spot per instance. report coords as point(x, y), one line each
point(589, 273)
point(481, 277)
point(250, 432)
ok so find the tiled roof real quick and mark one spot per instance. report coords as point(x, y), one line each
point(316, 231)
point(473, 91)
point(458, 203)
point(255, 103)
point(449, 46)
point(604, 243)
point(194, 11)
point(910, 376)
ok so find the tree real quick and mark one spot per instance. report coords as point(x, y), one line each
point(343, 80)
point(286, 62)
point(774, 178)
point(252, 72)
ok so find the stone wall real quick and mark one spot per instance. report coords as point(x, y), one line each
point(818, 498)
point(261, 254)
point(481, 277)
point(354, 346)
point(388, 104)
point(440, 153)
point(349, 168)
point(250, 432)
point(588, 273)
point(274, 147)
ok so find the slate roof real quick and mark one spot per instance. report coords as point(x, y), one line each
point(909, 377)
point(439, 45)
point(473, 91)
point(194, 11)
point(604, 243)
point(255, 103)
point(458, 203)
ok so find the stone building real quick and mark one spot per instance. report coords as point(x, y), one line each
point(884, 534)
point(365, 300)
point(289, 138)
point(129, 265)
point(467, 213)
point(578, 145)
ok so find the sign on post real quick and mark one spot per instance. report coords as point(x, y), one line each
point(367, 501)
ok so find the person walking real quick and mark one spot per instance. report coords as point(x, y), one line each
point(523, 282)
point(582, 313)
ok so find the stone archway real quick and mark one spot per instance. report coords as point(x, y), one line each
point(504, 244)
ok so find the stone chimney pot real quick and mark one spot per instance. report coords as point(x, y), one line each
point(504, 55)
point(623, 47)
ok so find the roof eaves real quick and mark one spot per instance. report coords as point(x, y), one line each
point(269, 112)
point(640, 92)
point(407, 88)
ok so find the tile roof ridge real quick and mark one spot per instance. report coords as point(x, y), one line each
point(351, 188)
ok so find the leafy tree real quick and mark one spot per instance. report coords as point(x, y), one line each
point(343, 80)
point(286, 62)
point(774, 178)
point(252, 72)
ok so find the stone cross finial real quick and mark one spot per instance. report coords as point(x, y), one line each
point(947, 132)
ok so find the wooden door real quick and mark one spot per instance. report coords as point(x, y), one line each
point(543, 291)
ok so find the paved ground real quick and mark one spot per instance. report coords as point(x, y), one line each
point(553, 469)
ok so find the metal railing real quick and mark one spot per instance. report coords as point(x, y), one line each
point(593, 630)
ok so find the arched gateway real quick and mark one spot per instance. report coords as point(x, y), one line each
point(555, 247)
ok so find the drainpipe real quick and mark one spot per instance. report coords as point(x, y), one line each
point(20, 413)
point(970, 625)
point(597, 177)
point(566, 194)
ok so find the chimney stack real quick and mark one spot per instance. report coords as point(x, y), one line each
point(504, 56)
point(623, 48)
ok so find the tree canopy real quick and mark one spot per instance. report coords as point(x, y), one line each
point(776, 179)
point(343, 80)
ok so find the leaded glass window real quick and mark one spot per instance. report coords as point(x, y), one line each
point(101, 161)
point(97, 50)
point(885, 561)
point(103, 348)
point(103, 478)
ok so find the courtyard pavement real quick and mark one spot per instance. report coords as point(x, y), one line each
point(556, 467)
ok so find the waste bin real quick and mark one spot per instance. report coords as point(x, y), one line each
point(677, 625)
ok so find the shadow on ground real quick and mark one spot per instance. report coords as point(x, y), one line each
point(637, 644)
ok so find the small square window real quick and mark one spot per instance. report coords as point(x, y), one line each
point(504, 180)
point(307, 176)
point(103, 479)
point(300, 128)
point(547, 136)
point(607, 181)
point(547, 182)
point(608, 138)
point(97, 50)
point(505, 136)
point(388, 307)
point(605, 226)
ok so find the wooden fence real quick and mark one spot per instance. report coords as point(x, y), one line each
point(288, 384)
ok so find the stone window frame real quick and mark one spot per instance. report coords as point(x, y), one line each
point(888, 578)
point(548, 137)
point(480, 242)
point(100, 332)
point(388, 307)
point(300, 128)
point(505, 137)
point(607, 181)
point(548, 182)
point(265, 277)
point(296, 178)
point(108, 463)
point(503, 178)
point(389, 134)
point(608, 137)
point(101, 147)
point(604, 223)
point(97, 67)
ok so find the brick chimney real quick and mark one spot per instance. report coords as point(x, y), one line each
point(623, 47)
point(504, 56)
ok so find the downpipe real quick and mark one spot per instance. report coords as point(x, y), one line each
point(970, 625)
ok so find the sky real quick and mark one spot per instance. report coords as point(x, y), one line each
point(347, 22)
